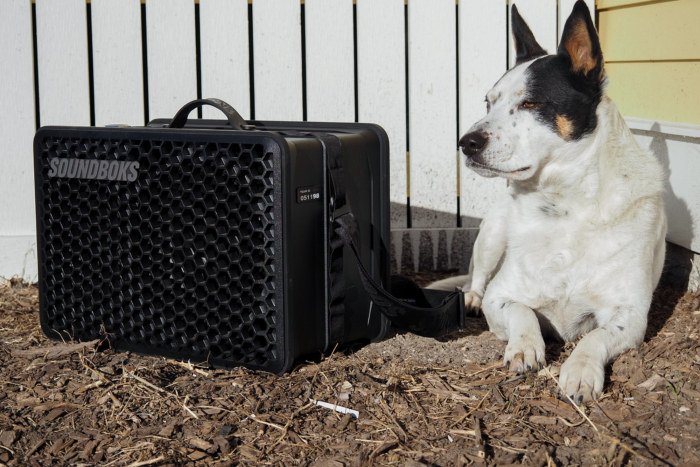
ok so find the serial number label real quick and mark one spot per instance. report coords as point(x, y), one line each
point(309, 193)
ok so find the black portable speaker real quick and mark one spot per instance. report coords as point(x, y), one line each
point(212, 240)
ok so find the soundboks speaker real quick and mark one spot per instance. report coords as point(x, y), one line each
point(211, 240)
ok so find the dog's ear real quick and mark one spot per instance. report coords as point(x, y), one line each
point(579, 43)
point(526, 47)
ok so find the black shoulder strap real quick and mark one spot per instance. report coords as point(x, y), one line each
point(335, 275)
point(429, 313)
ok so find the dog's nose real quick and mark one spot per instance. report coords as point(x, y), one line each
point(473, 143)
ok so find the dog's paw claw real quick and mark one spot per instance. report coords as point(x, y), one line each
point(582, 378)
point(472, 302)
point(525, 353)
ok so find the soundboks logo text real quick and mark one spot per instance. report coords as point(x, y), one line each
point(93, 169)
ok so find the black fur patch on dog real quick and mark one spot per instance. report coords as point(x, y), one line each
point(558, 94)
point(566, 91)
point(526, 46)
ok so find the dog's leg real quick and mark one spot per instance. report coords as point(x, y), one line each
point(489, 248)
point(583, 373)
point(517, 324)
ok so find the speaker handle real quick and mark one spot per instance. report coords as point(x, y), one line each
point(234, 118)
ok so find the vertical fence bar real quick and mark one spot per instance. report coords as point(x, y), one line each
point(541, 16)
point(381, 86)
point(330, 64)
point(482, 61)
point(64, 88)
point(17, 124)
point(432, 112)
point(117, 62)
point(223, 26)
point(172, 63)
point(277, 60)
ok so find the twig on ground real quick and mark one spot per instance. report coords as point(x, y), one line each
point(478, 438)
point(144, 382)
point(148, 462)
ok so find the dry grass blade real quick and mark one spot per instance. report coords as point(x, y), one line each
point(7, 449)
point(94, 385)
point(184, 405)
point(567, 423)
point(146, 383)
point(148, 462)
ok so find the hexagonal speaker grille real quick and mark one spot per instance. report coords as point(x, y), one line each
point(179, 262)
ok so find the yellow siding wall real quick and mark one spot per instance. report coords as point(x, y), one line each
point(652, 55)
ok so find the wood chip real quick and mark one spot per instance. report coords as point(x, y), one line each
point(35, 448)
point(223, 444)
point(543, 420)
point(28, 402)
point(555, 406)
point(60, 445)
point(56, 350)
point(7, 438)
point(197, 455)
point(690, 392)
point(652, 383)
point(55, 405)
point(497, 394)
point(89, 448)
point(249, 452)
point(199, 443)
point(167, 431)
point(53, 415)
point(328, 463)
point(670, 439)
point(384, 447)
point(471, 433)
point(344, 421)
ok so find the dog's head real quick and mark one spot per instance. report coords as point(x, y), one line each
point(543, 103)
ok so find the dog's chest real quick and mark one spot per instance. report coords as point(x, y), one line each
point(554, 250)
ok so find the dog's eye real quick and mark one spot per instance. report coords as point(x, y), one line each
point(527, 105)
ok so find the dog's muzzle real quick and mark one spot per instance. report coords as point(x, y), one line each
point(473, 143)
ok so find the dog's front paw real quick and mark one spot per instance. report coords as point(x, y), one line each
point(472, 302)
point(582, 378)
point(525, 352)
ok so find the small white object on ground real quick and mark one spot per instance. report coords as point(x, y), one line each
point(337, 408)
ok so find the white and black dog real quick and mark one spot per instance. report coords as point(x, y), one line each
point(577, 246)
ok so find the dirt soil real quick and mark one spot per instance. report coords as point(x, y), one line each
point(446, 402)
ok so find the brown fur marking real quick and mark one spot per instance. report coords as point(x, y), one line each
point(580, 49)
point(565, 127)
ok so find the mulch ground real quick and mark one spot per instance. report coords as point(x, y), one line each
point(446, 402)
